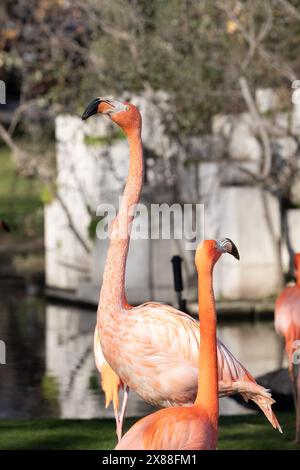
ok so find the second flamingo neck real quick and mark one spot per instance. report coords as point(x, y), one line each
point(112, 296)
point(207, 396)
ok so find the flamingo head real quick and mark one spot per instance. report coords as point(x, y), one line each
point(212, 250)
point(4, 226)
point(125, 114)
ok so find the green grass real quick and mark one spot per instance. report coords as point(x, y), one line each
point(236, 432)
point(20, 200)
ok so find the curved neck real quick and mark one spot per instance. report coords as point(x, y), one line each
point(207, 396)
point(112, 295)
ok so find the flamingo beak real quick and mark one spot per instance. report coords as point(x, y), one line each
point(92, 108)
point(112, 107)
point(227, 246)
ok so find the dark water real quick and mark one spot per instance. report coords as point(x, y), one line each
point(50, 369)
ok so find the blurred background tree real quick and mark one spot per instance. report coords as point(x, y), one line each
point(55, 55)
point(59, 53)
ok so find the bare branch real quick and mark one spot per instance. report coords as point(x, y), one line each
point(259, 125)
point(255, 43)
point(18, 155)
point(71, 224)
point(292, 11)
point(18, 113)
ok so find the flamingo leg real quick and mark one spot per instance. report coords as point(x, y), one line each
point(293, 381)
point(122, 414)
point(117, 419)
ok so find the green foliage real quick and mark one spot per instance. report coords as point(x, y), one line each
point(50, 395)
point(196, 51)
point(94, 384)
point(92, 227)
point(20, 201)
point(50, 388)
point(47, 194)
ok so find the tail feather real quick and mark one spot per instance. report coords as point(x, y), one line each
point(250, 390)
point(265, 404)
point(110, 383)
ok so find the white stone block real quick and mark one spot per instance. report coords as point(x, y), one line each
point(242, 218)
point(66, 260)
point(287, 146)
point(222, 124)
point(294, 226)
point(266, 99)
point(243, 145)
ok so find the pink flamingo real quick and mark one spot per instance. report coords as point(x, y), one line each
point(191, 427)
point(287, 324)
point(153, 348)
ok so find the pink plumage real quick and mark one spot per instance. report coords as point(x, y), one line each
point(287, 324)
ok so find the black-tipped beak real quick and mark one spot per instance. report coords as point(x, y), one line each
point(5, 226)
point(234, 251)
point(92, 108)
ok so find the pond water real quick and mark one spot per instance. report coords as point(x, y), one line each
point(50, 369)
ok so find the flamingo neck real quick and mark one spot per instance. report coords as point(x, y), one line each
point(207, 396)
point(112, 295)
point(298, 278)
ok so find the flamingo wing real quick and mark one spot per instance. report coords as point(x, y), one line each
point(162, 343)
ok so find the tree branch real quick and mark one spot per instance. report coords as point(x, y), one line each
point(71, 224)
point(292, 11)
point(259, 125)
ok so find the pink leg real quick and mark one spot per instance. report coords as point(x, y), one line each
point(117, 419)
point(122, 414)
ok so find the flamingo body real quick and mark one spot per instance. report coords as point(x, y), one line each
point(184, 428)
point(287, 324)
point(155, 351)
point(194, 427)
point(287, 317)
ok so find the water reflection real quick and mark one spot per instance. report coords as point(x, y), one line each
point(22, 329)
point(70, 365)
point(50, 367)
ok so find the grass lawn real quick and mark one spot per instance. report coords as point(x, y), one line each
point(236, 432)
